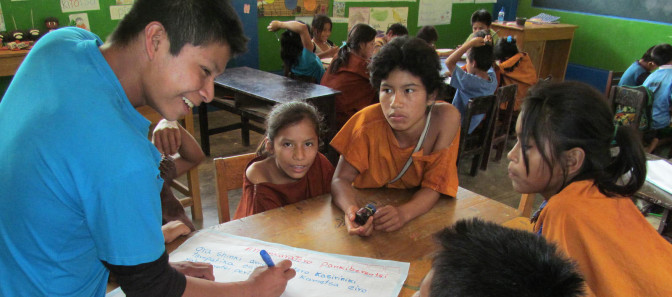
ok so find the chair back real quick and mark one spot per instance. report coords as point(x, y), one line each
point(475, 144)
point(229, 175)
point(630, 106)
point(506, 96)
point(613, 77)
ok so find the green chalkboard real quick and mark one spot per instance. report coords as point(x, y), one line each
point(650, 10)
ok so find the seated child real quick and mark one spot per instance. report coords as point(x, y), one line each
point(171, 139)
point(324, 48)
point(429, 35)
point(393, 31)
point(514, 68)
point(660, 85)
point(407, 126)
point(348, 74)
point(288, 168)
point(297, 50)
point(481, 20)
point(565, 133)
point(478, 258)
point(637, 73)
point(479, 78)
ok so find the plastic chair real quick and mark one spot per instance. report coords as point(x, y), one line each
point(229, 174)
point(191, 191)
point(503, 118)
point(475, 144)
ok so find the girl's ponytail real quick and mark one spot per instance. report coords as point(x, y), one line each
point(627, 171)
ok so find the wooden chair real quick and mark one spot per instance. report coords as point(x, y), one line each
point(475, 144)
point(613, 77)
point(225, 101)
point(524, 211)
point(501, 129)
point(191, 191)
point(229, 174)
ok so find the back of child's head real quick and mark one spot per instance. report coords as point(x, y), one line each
point(648, 55)
point(287, 114)
point(397, 29)
point(319, 21)
point(482, 16)
point(562, 116)
point(290, 49)
point(428, 34)
point(408, 54)
point(360, 33)
point(505, 48)
point(662, 54)
point(483, 259)
point(482, 55)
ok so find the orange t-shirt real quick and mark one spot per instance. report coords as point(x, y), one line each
point(368, 143)
point(524, 75)
point(266, 196)
point(617, 249)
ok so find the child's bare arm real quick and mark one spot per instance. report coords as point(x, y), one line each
point(451, 61)
point(296, 27)
point(390, 218)
point(171, 138)
point(344, 197)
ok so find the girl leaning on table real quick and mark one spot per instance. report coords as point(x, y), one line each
point(564, 152)
point(288, 168)
point(407, 141)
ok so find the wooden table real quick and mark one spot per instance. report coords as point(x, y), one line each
point(10, 61)
point(317, 224)
point(547, 44)
point(251, 86)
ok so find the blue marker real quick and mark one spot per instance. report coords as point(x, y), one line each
point(267, 258)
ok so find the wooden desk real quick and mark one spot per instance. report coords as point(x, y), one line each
point(317, 224)
point(547, 44)
point(252, 86)
point(10, 61)
point(653, 194)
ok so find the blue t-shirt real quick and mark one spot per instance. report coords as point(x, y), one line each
point(309, 64)
point(660, 85)
point(79, 181)
point(470, 86)
point(630, 75)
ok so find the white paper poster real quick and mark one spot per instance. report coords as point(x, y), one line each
point(485, 1)
point(358, 15)
point(317, 274)
point(79, 5)
point(435, 12)
point(117, 12)
point(382, 17)
point(80, 20)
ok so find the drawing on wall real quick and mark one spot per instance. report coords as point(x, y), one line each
point(117, 12)
point(2, 22)
point(338, 9)
point(358, 15)
point(291, 7)
point(382, 17)
point(434, 12)
point(80, 20)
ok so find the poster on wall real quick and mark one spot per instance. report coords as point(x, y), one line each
point(117, 12)
point(358, 15)
point(79, 5)
point(2, 21)
point(291, 7)
point(80, 20)
point(382, 17)
point(435, 12)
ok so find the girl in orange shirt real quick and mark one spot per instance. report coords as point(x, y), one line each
point(565, 132)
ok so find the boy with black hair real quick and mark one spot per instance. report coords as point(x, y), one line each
point(479, 78)
point(481, 20)
point(482, 259)
point(637, 73)
point(660, 85)
point(78, 170)
point(393, 31)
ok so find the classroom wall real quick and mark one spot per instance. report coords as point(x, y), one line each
point(449, 35)
point(606, 42)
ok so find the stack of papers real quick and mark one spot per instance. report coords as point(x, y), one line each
point(658, 172)
point(543, 18)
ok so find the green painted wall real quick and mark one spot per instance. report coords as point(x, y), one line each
point(605, 42)
point(449, 35)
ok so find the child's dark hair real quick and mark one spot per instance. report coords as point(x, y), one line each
point(287, 114)
point(505, 49)
point(647, 57)
point(410, 54)
point(428, 34)
point(319, 20)
point(360, 33)
point(195, 22)
point(397, 29)
point(480, 258)
point(562, 116)
point(291, 48)
point(482, 55)
point(482, 16)
point(662, 54)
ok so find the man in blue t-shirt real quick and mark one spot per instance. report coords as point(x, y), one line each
point(79, 179)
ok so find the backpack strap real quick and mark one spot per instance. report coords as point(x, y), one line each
point(417, 147)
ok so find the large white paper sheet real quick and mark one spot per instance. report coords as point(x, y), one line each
point(435, 12)
point(659, 173)
point(318, 274)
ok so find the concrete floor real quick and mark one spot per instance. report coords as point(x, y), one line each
point(492, 183)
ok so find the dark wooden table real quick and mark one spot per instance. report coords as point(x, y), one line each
point(250, 86)
point(10, 61)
